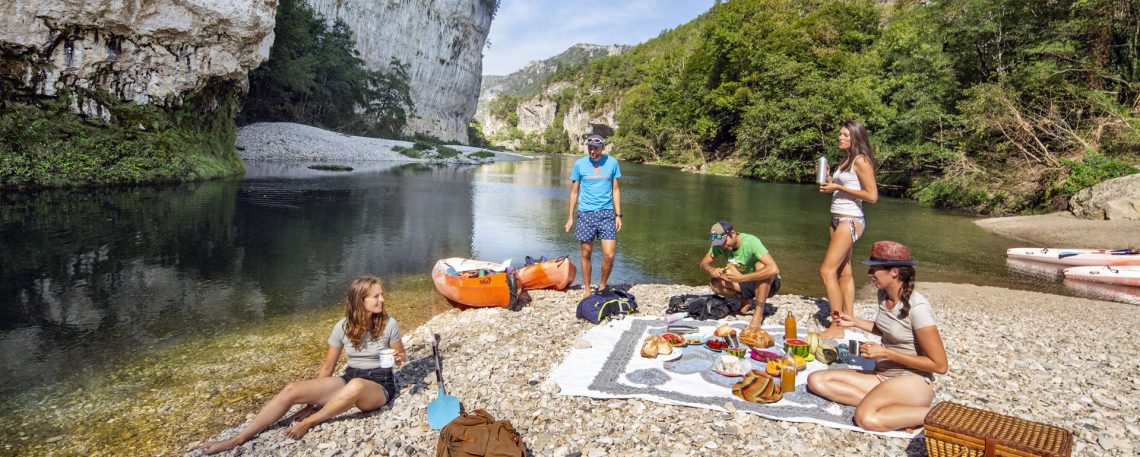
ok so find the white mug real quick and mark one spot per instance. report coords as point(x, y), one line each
point(387, 358)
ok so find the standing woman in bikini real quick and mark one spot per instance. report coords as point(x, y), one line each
point(851, 185)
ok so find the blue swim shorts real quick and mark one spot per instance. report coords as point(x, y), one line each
point(595, 225)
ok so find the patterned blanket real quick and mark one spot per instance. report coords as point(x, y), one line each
point(612, 367)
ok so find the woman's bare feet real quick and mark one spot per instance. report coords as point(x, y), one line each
point(834, 332)
point(298, 430)
point(214, 447)
point(301, 414)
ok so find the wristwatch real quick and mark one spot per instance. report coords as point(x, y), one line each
point(617, 215)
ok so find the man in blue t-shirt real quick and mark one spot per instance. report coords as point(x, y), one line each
point(594, 191)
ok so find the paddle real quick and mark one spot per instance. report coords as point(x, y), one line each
point(445, 407)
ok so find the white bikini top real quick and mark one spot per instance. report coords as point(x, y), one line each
point(843, 203)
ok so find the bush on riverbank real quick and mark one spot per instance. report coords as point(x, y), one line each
point(44, 144)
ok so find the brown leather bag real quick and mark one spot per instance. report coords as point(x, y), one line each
point(478, 434)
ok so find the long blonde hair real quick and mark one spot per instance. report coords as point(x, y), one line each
point(357, 319)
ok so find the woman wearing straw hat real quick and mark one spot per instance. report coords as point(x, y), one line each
point(898, 392)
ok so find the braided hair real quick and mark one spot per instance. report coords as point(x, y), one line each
point(906, 275)
point(357, 319)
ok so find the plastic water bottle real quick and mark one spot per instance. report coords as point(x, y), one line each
point(671, 318)
point(821, 170)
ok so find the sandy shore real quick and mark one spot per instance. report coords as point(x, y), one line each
point(284, 141)
point(1066, 361)
point(1062, 229)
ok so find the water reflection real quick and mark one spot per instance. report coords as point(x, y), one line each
point(89, 277)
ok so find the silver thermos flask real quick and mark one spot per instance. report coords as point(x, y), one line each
point(821, 170)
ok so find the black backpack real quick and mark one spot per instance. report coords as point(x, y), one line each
point(703, 307)
point(605, 303)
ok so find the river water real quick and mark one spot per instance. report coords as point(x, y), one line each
point(90, 277)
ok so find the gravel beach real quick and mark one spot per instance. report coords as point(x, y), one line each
point(1062, 229)
point(285, 141)
point(1065, 361)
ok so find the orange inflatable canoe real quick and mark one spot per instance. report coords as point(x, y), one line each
point(458, 279)
point(554, 274)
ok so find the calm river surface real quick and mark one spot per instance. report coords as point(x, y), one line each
point(88, 278)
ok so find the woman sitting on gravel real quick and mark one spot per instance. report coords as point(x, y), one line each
point(362, 334)
point(898, 392)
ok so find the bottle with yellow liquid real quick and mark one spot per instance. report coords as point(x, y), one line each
point(788, 373)
point(790, 327)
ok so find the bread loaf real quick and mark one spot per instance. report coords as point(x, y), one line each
point(654, 346)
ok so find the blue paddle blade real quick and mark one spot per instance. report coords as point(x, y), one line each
point(442, 410)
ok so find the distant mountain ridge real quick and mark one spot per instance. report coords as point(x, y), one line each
point(528, 80)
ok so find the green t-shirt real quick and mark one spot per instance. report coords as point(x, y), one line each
point(747, 254)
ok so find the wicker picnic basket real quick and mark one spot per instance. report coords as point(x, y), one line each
point(953, 430)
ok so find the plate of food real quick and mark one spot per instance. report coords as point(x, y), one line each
point(764, 356)
point(654, 347)
point(715, 344)
point(676, 354)
point(731, 366)
point(673, 339)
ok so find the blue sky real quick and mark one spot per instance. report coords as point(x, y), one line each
point(526, 30)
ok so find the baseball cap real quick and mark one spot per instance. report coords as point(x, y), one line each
point(595, 140)
point(719, 232)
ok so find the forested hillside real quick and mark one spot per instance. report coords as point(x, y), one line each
point(995, 106)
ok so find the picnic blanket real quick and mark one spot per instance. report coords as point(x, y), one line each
point(612, 367)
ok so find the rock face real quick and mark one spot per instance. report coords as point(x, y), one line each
point(440, 40)
point(539, 108)
point(1110, 200)
point(142, 51)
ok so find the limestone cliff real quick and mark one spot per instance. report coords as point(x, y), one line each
point(539, 108)
point(441, 41)
point(143, 51)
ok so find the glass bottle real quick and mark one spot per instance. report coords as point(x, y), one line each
point(788, 373)
point(790, 327)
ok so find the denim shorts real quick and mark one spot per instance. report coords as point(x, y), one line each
point(596, 225)
point(382, 376)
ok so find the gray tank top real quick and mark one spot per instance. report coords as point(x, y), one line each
point(367, 356)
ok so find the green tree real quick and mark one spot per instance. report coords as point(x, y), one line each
point(314, 75)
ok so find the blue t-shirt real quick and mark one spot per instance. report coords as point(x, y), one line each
point(595, 188)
